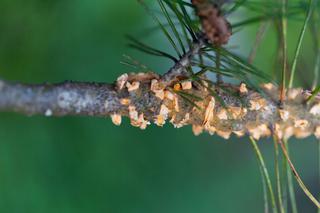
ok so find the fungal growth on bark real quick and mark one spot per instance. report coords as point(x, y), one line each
point(187, 93)
point(145, 99)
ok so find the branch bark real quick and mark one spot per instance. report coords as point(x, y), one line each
point(145, 99)
point(68, 98)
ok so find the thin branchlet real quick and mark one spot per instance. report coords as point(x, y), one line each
point(180, 67)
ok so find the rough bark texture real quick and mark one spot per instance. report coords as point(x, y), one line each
point(145, 98)
point(69, 98)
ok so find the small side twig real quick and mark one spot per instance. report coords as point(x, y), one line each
point(179, 68)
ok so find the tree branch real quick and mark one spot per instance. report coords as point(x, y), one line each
point(145, 99)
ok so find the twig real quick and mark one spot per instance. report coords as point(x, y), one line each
point(179, 69)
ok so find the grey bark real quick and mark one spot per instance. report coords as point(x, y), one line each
point(69, 98)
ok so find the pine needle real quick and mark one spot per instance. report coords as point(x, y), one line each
point(148, 49)
point(265, 192)
point(265, 173)
point(284, 29)
point(172, 26)
point(297, 176)
point(163, 29)
point(292, 194)
point(278, 179)
point(314, 25)
point(259, 36)
point(184, 20)
point(316, 71)
point(299, 45)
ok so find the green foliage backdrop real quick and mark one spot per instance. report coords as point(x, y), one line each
point(78, 164)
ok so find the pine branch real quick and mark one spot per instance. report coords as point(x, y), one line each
point(146, 98)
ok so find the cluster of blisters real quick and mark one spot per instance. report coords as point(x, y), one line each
point(297, 116)
point(216, 27)
point(170, 102)
point(167, 97)
point(256, 115)
point(132, 84)
point(218, 119)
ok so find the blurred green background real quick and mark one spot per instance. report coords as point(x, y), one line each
point(83, 164)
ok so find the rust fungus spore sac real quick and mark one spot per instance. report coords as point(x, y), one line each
point(253, 114)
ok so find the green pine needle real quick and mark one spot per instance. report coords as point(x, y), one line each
point(163, 29)
point(292, 195)
point(148, 49)
point(172, 26)
point(278, 179)
point(299, 45)
point(265, 173)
